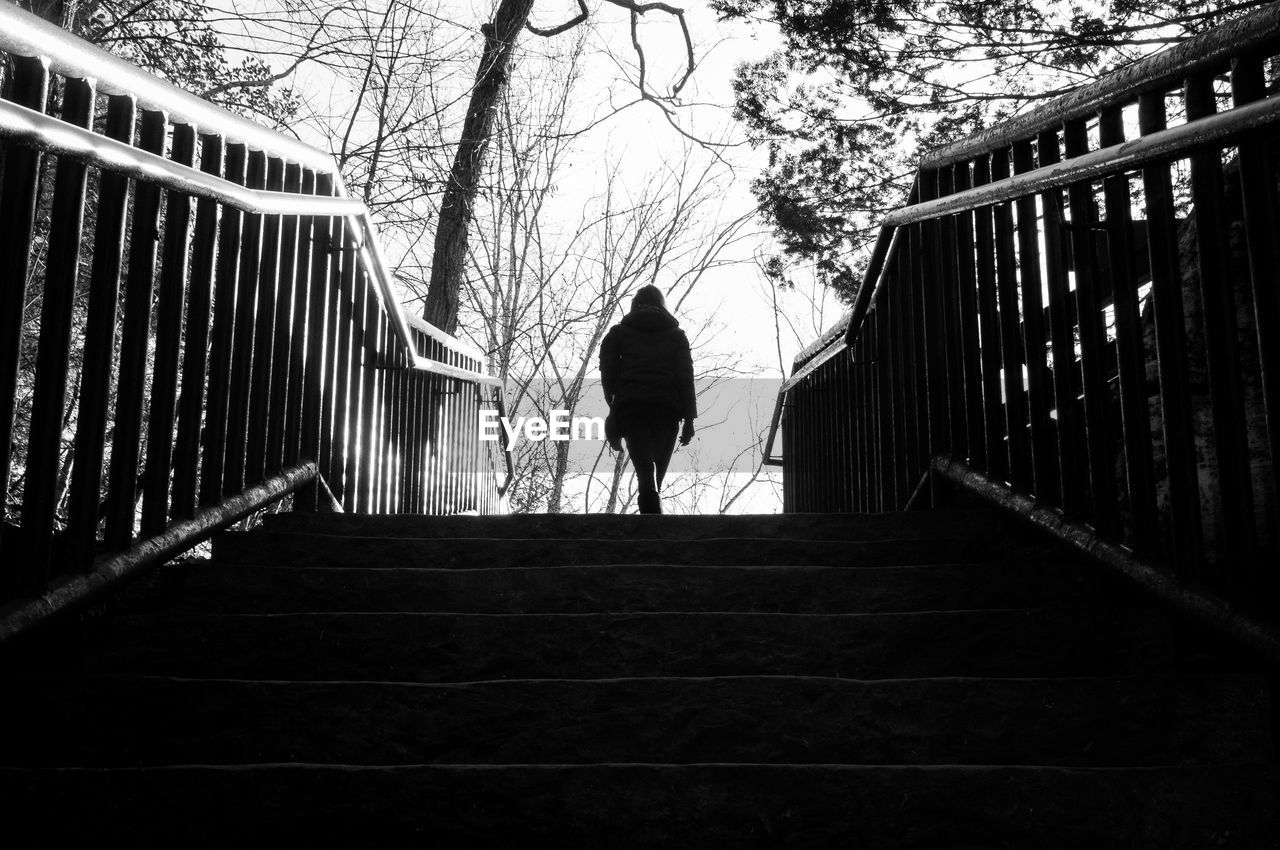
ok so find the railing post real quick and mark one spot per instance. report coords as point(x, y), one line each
point(122, 488)
point(997, 453)
point(1134, 415)
point(316, 422)
point(346, 393)
point(1171, 353)
point(41, 494)
point(264, 326)
point(213, 462)
point(99, 347)
point(1061, 337)
point(1261, 220)
point(1093, 341)
point(164, 373)
point(953, 356)
point(1218, 288)
point(242, 342)
point(890, 392)
point(968, 323)
point(305, 313)
point(1034, 338)
point(1012, 347)
point(287, 293)
point(195, 357)
point(933, 284)
point(29, 87)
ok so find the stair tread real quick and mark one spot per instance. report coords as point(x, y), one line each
point(453, 647)
point(1117, 720)
point(656, 805)
point(225, 588)
point(313, 549)
point(633, 526)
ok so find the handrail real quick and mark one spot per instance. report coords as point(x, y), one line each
point(25, 34)
point(76, 590)
point(449, 341)
point(820, 344)
point(1177, 141)
point(1258, 30)
point(1151, 580)
point(55, 136)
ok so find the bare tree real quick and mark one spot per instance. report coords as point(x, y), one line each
point(500, 37)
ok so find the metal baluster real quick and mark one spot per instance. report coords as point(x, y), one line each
point(99, 347)
point(40, 496)
point(264, 327)
point(969, 323)
point(242, 346)
point(343, 376)
point(195, 356)
point(164, 370)
point(1012, 349)
point(1262, 223)
point(997, 453)
point(1034, 338)
point(28, 86)
point(1135, 413)
point(213, 444)
point(931, 286)
point(953, 356)
point(282, 334)
point(1062, 352)
point(1217, 295)
point(1095, 361)
point(122, 487)
point(300, 364)
point(1171, 352)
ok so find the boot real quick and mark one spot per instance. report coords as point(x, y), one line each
point(649, 503)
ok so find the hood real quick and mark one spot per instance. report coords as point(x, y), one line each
point(650, 318)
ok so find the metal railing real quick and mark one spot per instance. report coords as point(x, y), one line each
point(207, 281)
point(1079, 306)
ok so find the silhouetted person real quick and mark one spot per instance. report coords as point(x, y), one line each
point(647, 373)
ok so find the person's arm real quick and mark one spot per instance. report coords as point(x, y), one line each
point(684, 381)
point(610, 365)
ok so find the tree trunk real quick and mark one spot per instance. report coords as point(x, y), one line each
point(449, 257)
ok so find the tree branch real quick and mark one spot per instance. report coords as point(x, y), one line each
point(638, 9)
point(565, 27)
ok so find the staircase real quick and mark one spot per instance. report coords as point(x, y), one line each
point(903, 680)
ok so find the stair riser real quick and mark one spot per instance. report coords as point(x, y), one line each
point(1152, 721)
point(406, 647)
point(635, 527)
point(639, 806)
point(307, 550)
point(229, 589)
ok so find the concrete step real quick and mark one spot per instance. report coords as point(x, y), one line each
point(226, 589)
point(263, 547)
point(470, 647)
point(882, 526)
point(647, 806)
point(1110, 721)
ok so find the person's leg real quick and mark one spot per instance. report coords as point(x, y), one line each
point(665, 430)
point(636, 433)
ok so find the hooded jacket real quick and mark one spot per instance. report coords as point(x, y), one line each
point(645, 360)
